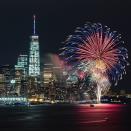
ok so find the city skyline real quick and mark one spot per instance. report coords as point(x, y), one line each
point(65, 65)
point(52, 28)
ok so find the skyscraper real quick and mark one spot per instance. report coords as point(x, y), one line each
point(22, 64)
point(21, 75)
point(34, 54)
point(6, 75)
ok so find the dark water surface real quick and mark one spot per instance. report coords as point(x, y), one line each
point(102, 117)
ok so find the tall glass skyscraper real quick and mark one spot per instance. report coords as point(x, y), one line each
point(22, 63)
point(34, 54)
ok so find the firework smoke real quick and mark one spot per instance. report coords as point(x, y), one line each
point(99, 53)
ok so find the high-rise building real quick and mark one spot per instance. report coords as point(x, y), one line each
point(5, 79)
point(47, 74)
point(21, 72)
point(34, 55)
point(53, 82)
point(2, 85)
point(22, 64)
point(34, 64)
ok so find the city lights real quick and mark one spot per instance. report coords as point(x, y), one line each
point(83, 72)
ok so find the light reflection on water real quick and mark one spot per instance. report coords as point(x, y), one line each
point(105, 117)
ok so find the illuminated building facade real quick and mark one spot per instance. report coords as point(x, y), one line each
point(6, 74)
point(34, 64)
point(53, 82)
point(47, 74)
point(52, 73)
point(2, 84)
point(22, 65)
point(21, 71)
point(34, 55)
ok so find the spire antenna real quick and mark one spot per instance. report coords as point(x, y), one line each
point(34, 17)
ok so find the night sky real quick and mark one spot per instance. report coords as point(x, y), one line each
point(56, 19)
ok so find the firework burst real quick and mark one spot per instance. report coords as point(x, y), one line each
point(97, 50)
point(98, 44)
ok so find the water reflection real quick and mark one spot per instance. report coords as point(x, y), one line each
point(104, 117)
